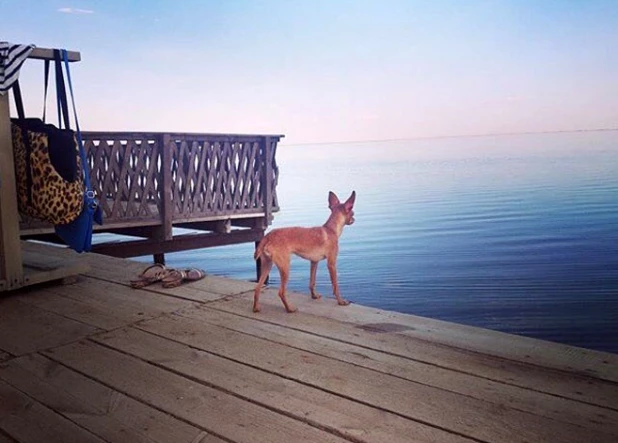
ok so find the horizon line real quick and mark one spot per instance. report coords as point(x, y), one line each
point(433, 137)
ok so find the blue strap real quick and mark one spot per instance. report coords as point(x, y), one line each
point(61, 92)
point(82, 151)
point(45, 95)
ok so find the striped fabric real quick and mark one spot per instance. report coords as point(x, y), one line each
point(12, 56)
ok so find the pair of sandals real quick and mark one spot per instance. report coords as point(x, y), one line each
point(169, 278)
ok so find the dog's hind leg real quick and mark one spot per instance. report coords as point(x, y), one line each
point(314, 270)
point(267, 265)
point(284, 271)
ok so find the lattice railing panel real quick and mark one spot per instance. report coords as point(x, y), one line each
point(219, 177)
point(207, 175)
point(126, 174)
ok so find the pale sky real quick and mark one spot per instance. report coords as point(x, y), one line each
point(326, 71)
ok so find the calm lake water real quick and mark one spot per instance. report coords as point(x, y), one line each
point(513, 233)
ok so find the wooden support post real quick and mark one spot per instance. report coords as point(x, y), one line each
point(11, 271)
point(267, 195)
point(258, 267)
point(167, 207)
point(165, 233)
point(268, 177)
point(12, 275)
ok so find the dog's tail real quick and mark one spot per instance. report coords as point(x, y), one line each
point(260, 249)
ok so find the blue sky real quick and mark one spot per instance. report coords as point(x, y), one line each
point(323, 71)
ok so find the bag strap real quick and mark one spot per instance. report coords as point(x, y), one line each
point(82, 151)
point(46, 80)
point(19, 103)
point(63, 110)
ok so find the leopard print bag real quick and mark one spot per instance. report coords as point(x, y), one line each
point(42, 191)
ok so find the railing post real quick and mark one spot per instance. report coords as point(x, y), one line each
point(267, 180)
point(166, 193)
point(164, 231)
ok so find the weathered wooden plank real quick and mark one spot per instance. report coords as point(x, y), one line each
point(219, 214)
point(210, 288)
point(39, 268)
point(524, 349)
point(120, 271)
point(48, 54)
point(135, 248)
point(27, 421)
point(109, 414)
point(10, 252)
point(218, 412)
point(25, 328)
point(322, 409)
point(103, 304)
point(360, 326)
point(5, 438)
point(102, 267)
point(532, 401)
point(456, 413)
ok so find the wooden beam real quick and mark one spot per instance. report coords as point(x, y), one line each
point(187, 136)
point(48, 54)
point(139, 248)
point(11, 271)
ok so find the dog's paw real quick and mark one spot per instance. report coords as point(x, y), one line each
point(316, 296)
point(343, 302)
point(256, 309)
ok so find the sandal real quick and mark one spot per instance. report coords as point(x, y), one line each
point(150, 275)
point(177, 277)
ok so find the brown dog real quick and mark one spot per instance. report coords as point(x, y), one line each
point(313, 244)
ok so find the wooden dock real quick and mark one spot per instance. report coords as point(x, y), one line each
point(97, 361)
point(221, 187)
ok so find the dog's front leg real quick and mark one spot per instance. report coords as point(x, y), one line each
point(332, 269)
point(314, 270)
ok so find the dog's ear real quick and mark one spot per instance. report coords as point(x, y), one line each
point(349, 203)
point(332, 200)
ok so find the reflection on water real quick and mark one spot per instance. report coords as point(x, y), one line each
point(514, 233)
